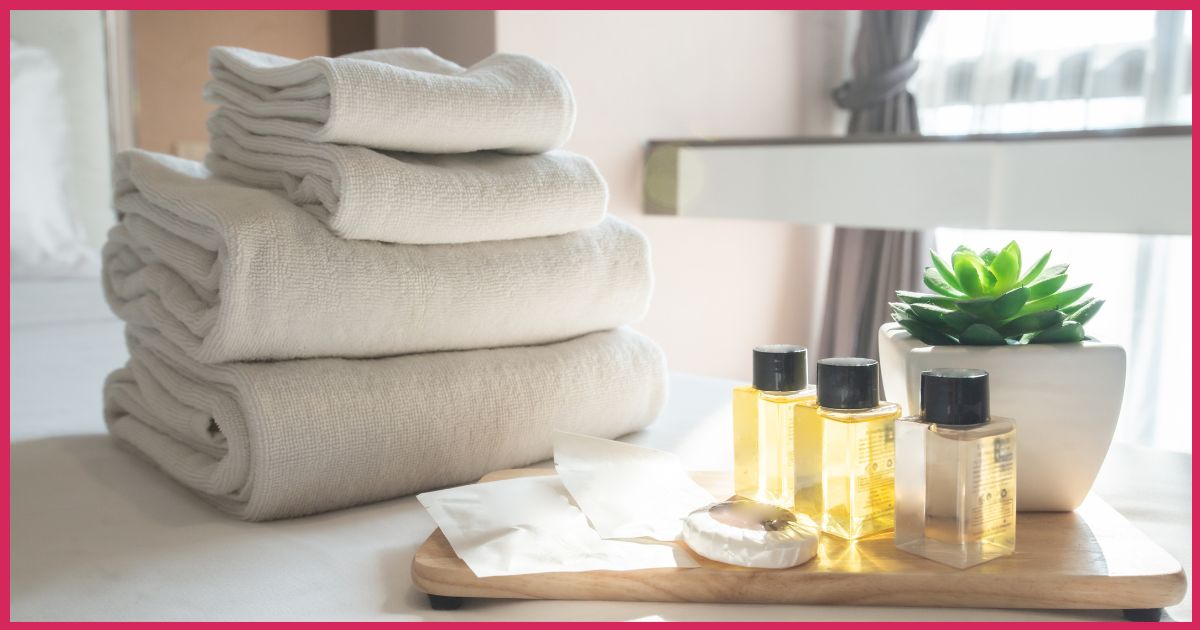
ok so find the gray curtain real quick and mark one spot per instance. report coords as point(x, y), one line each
point(867, 266)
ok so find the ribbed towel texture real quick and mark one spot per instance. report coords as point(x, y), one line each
point(407, 99)
point(385, 279)
point(279, 439)
point(409, 197)
point(231, 273)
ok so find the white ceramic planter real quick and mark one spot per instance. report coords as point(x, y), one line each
point(1064, 398)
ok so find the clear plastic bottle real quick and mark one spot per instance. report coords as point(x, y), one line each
point(857, 449)
point(956, 473)
point(764, 425)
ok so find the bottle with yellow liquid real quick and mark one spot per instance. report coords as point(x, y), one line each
point(858, 453)
point(956, 473)
point(764, 425)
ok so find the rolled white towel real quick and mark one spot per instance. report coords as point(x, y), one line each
point(232, 273)
point(271, 440)
point(398, 197)
point(407, 99)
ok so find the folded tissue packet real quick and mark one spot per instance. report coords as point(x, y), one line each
point(627, 491)
point(530, 525)
point(604, 491)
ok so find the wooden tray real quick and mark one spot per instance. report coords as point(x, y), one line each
point(1091, 558)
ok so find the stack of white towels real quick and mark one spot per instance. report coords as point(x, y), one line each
point(384, 279)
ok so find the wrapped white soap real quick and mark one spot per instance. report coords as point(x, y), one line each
point(751, 534)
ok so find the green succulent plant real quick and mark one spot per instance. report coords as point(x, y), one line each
point(985, 300)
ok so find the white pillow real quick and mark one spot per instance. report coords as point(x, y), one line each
point(44, 238)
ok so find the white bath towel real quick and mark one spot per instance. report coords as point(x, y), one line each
point(398, 197)
point(407, 99)
point(230, 273)
point(277, 439)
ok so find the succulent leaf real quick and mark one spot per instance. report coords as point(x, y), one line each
point(957, 321)
point(937, 284)
point(981, 335)
point(1056, 301)
point(1009, 304)
point(945, 271)
point(909, 297)
point(1053, 270)
point(989, 279)
point(1074, 308)
point(1065, 332)
point(929, 313)
point(927, 334)
point(1032, 323)
point(1083, 314)
point(979, 307)
point(995, 309)
point(987, 255)
point(947, 320)
point(1006, 266)
point(1047, 285)
point(1036, 269)
point(969, 269)
point(901, 311)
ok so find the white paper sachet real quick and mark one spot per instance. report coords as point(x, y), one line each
point(530, 525)
point(627, 491)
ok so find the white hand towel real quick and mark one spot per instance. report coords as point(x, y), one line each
point(278, 439)
point(233, 273)
point(397, 197)
point(407, 99)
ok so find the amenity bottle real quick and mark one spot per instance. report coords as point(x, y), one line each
point(857, 448)
point(765, 465)
point(956, 473)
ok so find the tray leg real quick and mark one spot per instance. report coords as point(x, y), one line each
point(1143, 614)
point(445, 602)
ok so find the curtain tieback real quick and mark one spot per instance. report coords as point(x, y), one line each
point(875, 89)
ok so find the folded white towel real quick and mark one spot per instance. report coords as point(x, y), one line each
point(367, 194)
point(230, 273)
point(277, 439)
point(407, 99)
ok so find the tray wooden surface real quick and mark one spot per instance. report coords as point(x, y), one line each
point(1091, 558)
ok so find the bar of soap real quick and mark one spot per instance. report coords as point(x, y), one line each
point(747, 533)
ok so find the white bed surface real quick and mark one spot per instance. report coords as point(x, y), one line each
point(96, 534)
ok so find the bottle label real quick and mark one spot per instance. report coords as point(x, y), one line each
point(993, 478)
point(875, 485)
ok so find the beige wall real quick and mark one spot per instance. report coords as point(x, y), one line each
point(463, 37)
point(722, 286)
point(171, 63)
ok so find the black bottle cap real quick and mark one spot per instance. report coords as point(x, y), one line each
point(954, 396)
point(848, 383)
point(780, 368)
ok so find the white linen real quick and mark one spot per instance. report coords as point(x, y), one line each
point(407, 99)
point(266, 440)
point(234, 273)
point(530, 525)
point(45, 240)
point(396, 197)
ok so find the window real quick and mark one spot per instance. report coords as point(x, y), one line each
point(1029, 71)
point(1023, 71)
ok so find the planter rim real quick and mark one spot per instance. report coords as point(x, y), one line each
point(896, 332)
